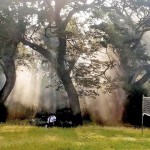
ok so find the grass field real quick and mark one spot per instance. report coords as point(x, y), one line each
point(87, 137)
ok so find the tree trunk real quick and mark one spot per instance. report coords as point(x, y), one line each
point(64, 76)
point(72, 95)
point(10, 74)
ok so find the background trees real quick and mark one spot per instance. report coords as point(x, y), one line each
point(45, 27)
point(123, 28)
point(47, 15)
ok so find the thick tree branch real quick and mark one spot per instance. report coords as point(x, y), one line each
point(81, 8)
point(58, 7)
point(144, 79)
point(44, 52)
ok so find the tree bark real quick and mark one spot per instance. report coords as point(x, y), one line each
point(64, 76)
point(10, 74)
point(72, 95)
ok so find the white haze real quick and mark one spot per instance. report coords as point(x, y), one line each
point(31, 91)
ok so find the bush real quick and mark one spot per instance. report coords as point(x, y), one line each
point(38, 122)
point(40, 119)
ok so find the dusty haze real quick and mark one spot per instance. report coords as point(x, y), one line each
point(32, 92)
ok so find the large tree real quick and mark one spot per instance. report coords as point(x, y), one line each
point(53, 16)
point(8, 49)
point(123, 27)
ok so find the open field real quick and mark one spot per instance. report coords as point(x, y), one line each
point(88, 137)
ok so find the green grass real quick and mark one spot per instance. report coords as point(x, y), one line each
point(87, 137)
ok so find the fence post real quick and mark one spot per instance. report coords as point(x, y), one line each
point(142, 113)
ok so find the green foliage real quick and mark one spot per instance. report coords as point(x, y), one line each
point(120, 30)
point(27, 19)
point(135, 90)
point(122, 41)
